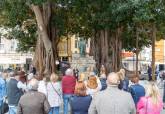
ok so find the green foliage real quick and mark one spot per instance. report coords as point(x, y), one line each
point(27, 38)
point(83, 17)
point(146, 13)
point(36, 2)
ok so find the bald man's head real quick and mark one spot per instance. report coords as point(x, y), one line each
point(113, 79)
point(33, 84)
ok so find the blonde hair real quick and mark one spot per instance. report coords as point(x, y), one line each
point(80, 89)
point(82, 77)
point(54, 77)
point(121, 74)
point(152, 91)
point(92, 82)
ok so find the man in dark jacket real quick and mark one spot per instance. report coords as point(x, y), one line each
point(13, 92)
point(33, 102)
point(149, 71)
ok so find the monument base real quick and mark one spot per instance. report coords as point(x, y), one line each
point(82, 63)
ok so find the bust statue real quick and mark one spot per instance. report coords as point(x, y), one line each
point(82, 47)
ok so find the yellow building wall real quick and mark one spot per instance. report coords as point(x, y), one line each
point(74, 44)
point(159, 51)
point(68, 46)
point(63, 47)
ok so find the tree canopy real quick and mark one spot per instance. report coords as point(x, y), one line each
point(85, 16)
point(105, 21)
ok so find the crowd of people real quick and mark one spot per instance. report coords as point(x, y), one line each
point(87, 93)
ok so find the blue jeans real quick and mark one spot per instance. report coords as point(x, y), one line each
point(12, 110)
point(66, 100)
point(54, 110)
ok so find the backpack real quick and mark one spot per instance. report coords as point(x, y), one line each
point(133, 93)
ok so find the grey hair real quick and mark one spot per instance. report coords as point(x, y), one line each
point(33, 84)
point(69, 72)
point(113, 79)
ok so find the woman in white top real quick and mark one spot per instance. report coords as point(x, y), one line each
point(54, 94)
point(42, 86)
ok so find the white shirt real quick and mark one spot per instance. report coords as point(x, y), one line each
point(42, 87)
point(54, 98)
point(22, 86)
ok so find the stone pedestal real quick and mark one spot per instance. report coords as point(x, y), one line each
point(82, 63)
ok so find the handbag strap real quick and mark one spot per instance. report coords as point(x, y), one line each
point(55, 90)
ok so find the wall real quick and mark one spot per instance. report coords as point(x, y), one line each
point(159, 51)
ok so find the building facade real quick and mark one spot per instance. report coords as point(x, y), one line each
point(10, 58)
point(160, 52)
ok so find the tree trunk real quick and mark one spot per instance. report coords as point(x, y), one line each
point(46, 50)
point(137, 51)
point(106, 48)
point(95, 48)
point(42, 28)
point(153, 50)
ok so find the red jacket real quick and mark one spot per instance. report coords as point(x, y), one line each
point(68, 84)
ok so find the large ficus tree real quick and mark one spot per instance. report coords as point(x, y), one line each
point(111, 24)
point(39, 18)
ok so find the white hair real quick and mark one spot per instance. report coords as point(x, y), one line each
point(113, 79)
point(69, 72)
point(33, 84)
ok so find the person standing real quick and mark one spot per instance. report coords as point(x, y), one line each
point(103, 81)
point(152, 102)
point(92, 86)
point(42, 86)
point(112, 100)
point(164, 96)
point(64, 65)
point(33, 102)
point(13, 92)
point(149, 71)
point(2, 92)
point(80, 101)
point(137, 91)
point(103, 78)
point(54, 94)
point(68, 86)
point(124, 81)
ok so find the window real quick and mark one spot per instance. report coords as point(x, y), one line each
point(1, 46)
